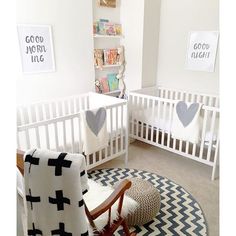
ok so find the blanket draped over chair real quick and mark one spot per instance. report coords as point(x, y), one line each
point(54, 187)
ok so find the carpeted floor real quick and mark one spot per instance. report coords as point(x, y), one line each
point(193, 176)
point(179, 213)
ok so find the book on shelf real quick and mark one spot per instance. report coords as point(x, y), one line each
point(110, 56)
point(113, 82)
point(105, 27)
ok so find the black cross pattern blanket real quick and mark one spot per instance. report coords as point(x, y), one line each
point(54, 187)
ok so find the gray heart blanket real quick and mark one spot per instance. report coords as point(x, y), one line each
point(186, 124)
point(94, 130)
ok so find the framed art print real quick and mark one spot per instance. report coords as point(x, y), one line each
point(36, 48)
point(202, 49)
point(107, 3)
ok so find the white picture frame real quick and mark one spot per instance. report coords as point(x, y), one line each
point(202, 50)
point(36, 48)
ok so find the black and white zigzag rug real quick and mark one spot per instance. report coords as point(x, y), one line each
point(180, 214)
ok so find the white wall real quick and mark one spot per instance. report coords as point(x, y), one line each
point(132, 19)
point(150, 42)
point(177, 19)
point(73, 46)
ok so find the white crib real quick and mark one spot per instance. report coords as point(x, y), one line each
point(151, 111)
point(56, 125)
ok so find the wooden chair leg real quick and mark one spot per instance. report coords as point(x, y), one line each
point(126, 229)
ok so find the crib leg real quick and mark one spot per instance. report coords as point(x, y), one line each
point(215, 160)
point(127, 136)
point(213, 172)
point(214, 168)
point(126, 158)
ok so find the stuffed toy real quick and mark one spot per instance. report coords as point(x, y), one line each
point(120, 55)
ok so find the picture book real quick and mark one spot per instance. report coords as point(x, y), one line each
point(110, 56)
point(113, 82)
point(118, 29)
point(104, 85)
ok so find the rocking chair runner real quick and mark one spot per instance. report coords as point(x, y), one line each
point(117, 195)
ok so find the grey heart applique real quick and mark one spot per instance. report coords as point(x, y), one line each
point(186, 114)
point(96, 121)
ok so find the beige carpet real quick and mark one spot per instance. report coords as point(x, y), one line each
point(193, 176)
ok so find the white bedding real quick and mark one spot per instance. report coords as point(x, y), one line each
point(159, 121)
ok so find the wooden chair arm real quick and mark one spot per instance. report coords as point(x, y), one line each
point(20, 161)
point(107, 204)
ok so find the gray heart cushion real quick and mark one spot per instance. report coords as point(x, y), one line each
point(96, 121)
point(186, 114)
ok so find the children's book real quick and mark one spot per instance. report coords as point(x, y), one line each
point(113, 82)
point(110, 28)
point(118, 29)
point(110, 56)
point(104, 85)
point(101, 26)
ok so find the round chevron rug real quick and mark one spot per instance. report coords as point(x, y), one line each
point(180, 214)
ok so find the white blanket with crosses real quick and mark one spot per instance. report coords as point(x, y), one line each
point(54, 187)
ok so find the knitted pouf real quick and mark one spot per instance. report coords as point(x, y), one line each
point(149, 201)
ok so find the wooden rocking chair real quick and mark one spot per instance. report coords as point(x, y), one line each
point(117, 195)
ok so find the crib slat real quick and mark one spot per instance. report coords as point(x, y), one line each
point(27, 139)
point(117, 129)
point(64, 134)
point(171, 108)
point(80, 135)
point(163, 128)
point(94, 158)
point(153, 119)
point(60, 109)
point(142, 108)
point(215, 159)
point(25, 115)
point(77, 104)
point(210, 103)
point(37, 137)
point(72, 107)
point(111, 133)
point(198, 98)
point(33, 113)
point(100, 155)
point(56, 136)
point(19, 117)
point(122, 129)
point(147, 124)
point(53, 109)
point(159, 104)
point(203, 133)
point(72, 135)
point(46, 111)
point(216, 102)
point(212, 134)
point(47, 137)
point(132, 102)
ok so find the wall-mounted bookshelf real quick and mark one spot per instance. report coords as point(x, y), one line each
point(108, 36)
point(107, 66)
point(107, 45)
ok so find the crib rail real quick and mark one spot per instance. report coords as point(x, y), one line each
point(46, 110)
point(177, 94)
point(150, 121)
